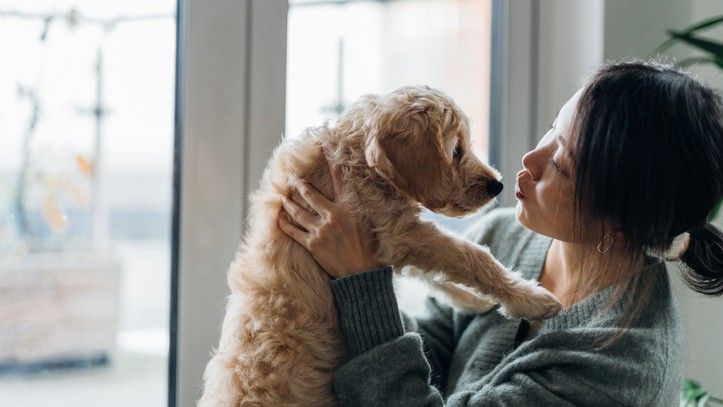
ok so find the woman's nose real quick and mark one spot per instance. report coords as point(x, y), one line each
point(530, 162)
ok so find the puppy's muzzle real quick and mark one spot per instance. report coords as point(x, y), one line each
point(494, 187)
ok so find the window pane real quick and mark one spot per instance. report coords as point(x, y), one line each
point(338, 51)
point(86, 113)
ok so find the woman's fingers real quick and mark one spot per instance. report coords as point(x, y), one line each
point(314, 198)
point(290, 229)
point(299, 214)
point(335, 174)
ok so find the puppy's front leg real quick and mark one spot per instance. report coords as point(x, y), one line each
point(431, 250)
point(465, 298)
point(461, 296)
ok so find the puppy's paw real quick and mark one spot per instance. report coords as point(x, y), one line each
point(465, 298)
point(532, 303)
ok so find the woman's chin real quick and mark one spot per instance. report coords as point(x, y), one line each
point(520, 213)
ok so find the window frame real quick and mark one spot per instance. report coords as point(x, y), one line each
point(230, 89)
point(513, 88)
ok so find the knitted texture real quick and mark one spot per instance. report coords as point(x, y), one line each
point(449, 357)
point(375, 306)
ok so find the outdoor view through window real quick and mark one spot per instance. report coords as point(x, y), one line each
point(86, 123)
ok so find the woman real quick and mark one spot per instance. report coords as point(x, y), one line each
point(627, 175)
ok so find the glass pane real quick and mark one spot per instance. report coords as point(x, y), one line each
point(86, 114)
point(338, 51)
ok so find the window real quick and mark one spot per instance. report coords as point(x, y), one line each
point(338, 51)
point(86, 117)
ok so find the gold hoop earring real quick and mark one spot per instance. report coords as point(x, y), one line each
point(605, 244)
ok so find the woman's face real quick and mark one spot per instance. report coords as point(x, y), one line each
point(544, 187)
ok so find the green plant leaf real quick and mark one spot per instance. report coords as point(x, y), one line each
point(695, 27)
point(710, 46)
point(690, 384)
point(704, 24)
point(690, 393)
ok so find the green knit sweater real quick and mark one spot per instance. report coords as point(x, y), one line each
point(449, 357)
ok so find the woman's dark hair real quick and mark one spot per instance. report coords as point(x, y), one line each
point(704, 257)
point(649, 159)
point(648, 151)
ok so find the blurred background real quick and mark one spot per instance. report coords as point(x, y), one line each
point(127, 158)
point(86, 123)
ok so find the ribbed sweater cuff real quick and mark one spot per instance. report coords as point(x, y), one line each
point(368, 311)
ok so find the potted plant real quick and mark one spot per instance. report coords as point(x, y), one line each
point(692, 395)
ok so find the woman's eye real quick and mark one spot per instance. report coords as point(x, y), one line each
point(554, 164)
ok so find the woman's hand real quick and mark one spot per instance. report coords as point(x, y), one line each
point(338, 242)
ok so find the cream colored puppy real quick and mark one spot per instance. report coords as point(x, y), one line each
point(280, 343)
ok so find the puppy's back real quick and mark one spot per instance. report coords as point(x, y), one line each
point(280, 341)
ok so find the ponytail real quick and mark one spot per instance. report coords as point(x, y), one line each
point(704, 258)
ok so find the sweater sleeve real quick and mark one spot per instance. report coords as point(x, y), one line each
point(369, 316)
point(368, 311)
point(438, 330)
point(377, 346)
point(397, 374)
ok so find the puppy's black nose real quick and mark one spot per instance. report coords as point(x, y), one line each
point(494, 187)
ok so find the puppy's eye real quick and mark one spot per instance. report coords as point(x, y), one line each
point(457, 153)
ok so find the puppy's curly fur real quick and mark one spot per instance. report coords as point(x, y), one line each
point(280, 342)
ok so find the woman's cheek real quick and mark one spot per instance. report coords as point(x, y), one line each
point(545, 195)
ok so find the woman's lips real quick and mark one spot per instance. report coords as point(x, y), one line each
point(518, 193)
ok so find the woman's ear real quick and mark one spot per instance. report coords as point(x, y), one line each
point(405, 147)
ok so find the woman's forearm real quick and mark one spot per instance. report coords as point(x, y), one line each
point(368, 311)
point(385, 364)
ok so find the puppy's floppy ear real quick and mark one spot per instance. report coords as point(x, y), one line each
point(404, 145)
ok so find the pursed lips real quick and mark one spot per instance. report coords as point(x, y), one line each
point(518, 193)
point(518, 189)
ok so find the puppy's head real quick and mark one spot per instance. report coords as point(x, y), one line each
point(418, 139)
